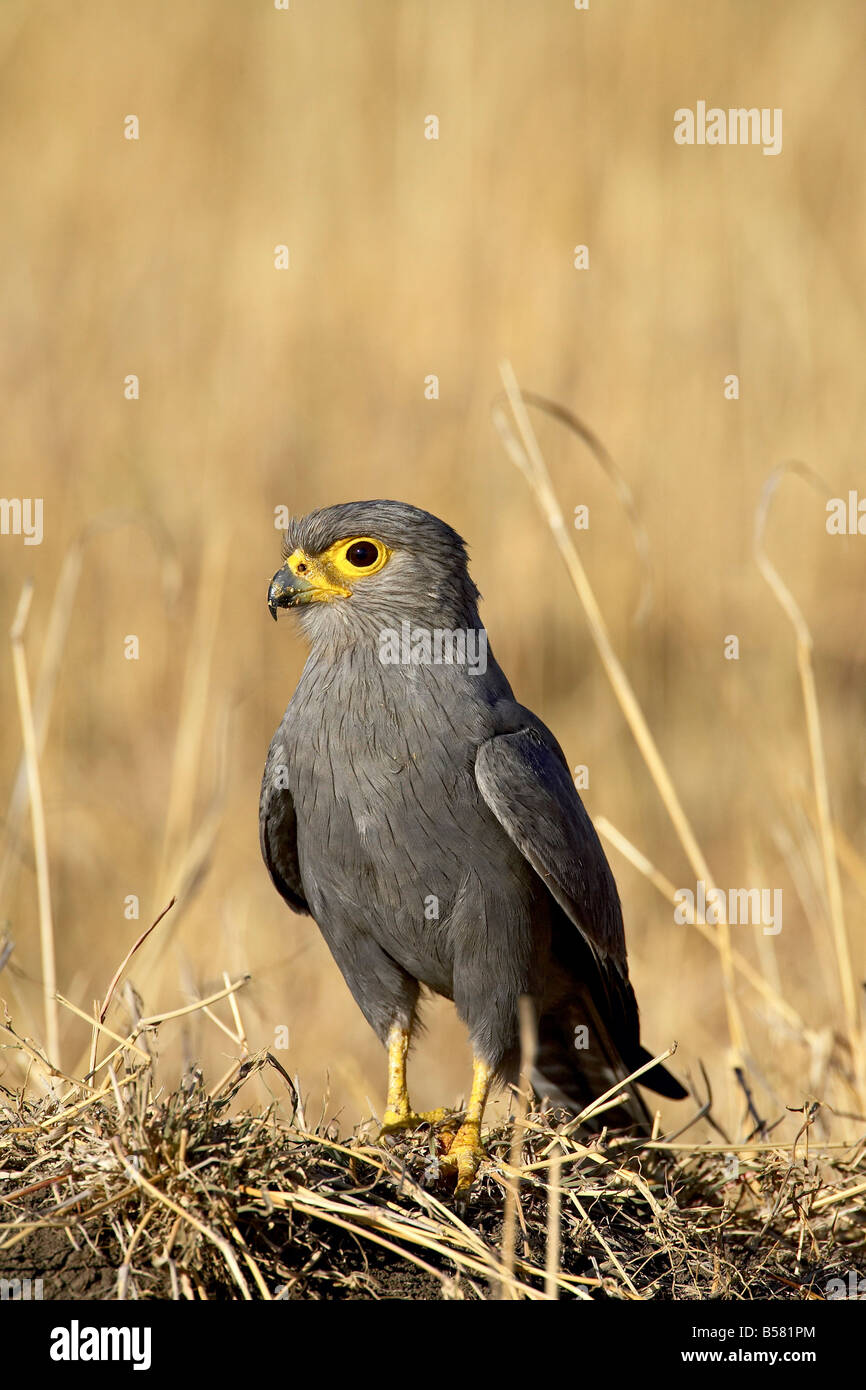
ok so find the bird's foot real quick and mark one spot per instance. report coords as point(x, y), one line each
point(394, 1121)
point(464, 1157)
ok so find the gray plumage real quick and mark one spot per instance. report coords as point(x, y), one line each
point(429, 823)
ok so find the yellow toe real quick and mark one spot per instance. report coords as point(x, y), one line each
point(393, 1121)
point(465, 1156)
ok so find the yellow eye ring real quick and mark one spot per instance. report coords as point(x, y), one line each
point(357, 556)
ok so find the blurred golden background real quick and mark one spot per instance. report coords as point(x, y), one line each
point(302, 387)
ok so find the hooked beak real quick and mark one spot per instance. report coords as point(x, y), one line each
point(290, 590)
point(287, 590)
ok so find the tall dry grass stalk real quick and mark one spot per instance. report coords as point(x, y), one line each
point(835, 911)
point(37, 818)
point(528, 1047)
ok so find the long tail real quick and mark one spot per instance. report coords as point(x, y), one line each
point(578, 1060)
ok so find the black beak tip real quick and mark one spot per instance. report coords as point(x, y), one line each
point(276, 597)
point(278, 592)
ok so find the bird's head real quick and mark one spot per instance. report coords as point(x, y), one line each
point(361, 566)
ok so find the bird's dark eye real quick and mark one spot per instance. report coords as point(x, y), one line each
point(357, 556)
point(362, 554)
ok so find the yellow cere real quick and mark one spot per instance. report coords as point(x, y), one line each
point(324, 583)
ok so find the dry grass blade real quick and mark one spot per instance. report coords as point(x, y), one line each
point(528, 1045)
point(99, 1028)
point(152, 1020)
point(615, 1092)
point(45, 1066)
point(37, 816)
point(620, 483)
point(816, 744)
point(740, 962)
point(554, 1228)
point(109, 993)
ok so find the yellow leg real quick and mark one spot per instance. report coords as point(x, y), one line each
point(398, 1112)
point(466, 1151)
